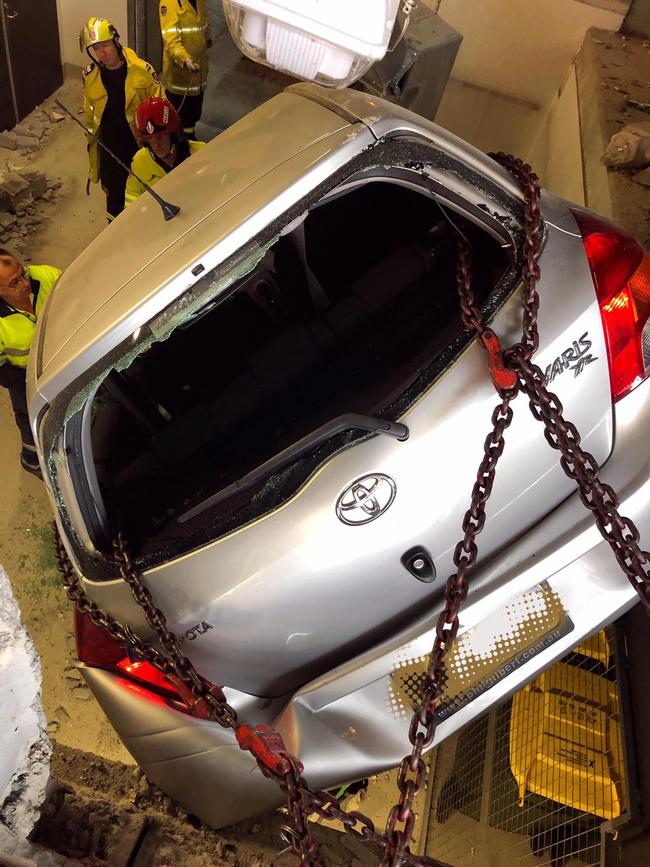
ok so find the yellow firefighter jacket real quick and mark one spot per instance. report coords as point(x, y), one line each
point(184, 33)
point(141, 82)
point(17, 326)
point(149, 170)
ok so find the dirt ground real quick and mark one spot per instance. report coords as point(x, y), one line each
point(99, 812)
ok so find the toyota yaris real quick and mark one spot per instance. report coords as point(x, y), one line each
point(274, 397)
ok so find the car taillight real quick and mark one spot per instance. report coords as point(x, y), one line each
point(620, 268)
point(94, 645)
point(147, 675)
point(96, 648)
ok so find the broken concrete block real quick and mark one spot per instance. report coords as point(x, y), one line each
point(37, 182)
point(15, 861)
point(34, 130)
point(26, 141)
point(16, 190)
point(19, 168)
point(8, 140)
point(24, 771)
point(630, 147)
point(6, 221)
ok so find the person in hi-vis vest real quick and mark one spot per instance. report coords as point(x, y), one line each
point(184, 27)
point(165, 146)
point(115, 84)
point(23, 291)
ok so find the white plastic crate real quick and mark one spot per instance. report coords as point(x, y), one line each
point(332, 42)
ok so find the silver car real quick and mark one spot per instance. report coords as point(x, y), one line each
point(275, 399)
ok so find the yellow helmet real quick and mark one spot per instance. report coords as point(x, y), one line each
point(96, 30)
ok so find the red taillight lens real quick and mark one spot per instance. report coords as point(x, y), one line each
point(620, 268)
point(96, 648)
point(94, 645)
point(147, 675)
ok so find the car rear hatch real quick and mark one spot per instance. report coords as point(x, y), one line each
point(224, 444)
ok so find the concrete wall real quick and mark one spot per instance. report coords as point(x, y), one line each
point(637, 20)
point(488, 120)
point(556, 153)
point(521, 48)
point(72, 16)
point(507, 90)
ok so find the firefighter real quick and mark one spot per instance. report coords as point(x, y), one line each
point(158, 128)
point(115, 83)
point(184, 26)
point(23, 291)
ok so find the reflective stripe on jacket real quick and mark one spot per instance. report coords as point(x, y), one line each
point(17, 326)
point(184, 33)
point(145, 166)
point(141, 82)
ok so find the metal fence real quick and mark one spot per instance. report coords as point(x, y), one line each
point(533, 781)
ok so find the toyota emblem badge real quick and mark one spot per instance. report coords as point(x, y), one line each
point(366, 499)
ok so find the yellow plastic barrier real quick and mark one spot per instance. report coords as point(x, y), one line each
point(565, 737)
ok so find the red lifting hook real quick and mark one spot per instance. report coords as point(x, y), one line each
point(503, 378)
point(267, 747)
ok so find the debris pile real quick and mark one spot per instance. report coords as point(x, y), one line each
point(21, 188)
point(103, 812)
point(24, 768)
point(28, 134)
point(629, 147)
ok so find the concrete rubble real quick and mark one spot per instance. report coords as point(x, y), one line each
point(25, 757)
point(103, 812)
point(28, 134)
point(22, 187)
point(21, 190)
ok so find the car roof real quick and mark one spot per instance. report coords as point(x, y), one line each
point(131, 256)
point(140, 263)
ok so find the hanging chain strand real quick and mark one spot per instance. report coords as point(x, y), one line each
point(172, 660)
point(413, 771)
point(602, 501)
point(529, 183)
point(514, 372)
point(301, 800)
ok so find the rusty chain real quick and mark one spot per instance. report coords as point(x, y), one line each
point(602, 501)
point(511, 370)
point(412, 772)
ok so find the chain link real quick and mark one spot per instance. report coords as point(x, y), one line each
point(599, 498)
point(412, 772)
point(529, 183)
point(602, 501)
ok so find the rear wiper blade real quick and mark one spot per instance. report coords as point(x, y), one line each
point(349, 421)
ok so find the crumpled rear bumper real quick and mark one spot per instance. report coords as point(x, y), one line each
point(353, 722)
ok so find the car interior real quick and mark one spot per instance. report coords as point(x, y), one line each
point(345, 312)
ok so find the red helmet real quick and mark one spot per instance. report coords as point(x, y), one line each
point(156, 116)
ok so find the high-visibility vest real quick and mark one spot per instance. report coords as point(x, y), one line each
point(184, 33)
point(17, 326)
point(149, 170)
point(141, 82)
